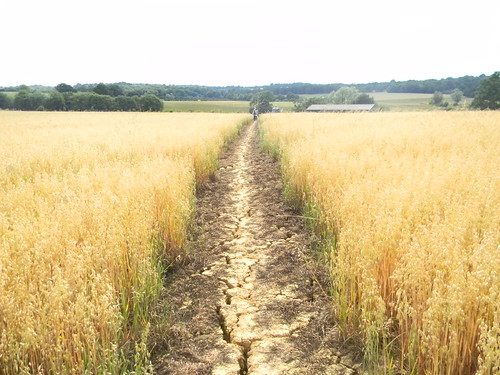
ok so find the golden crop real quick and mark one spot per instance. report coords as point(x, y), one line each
point(411, 205)
point(92, 206)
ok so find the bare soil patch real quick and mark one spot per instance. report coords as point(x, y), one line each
point(248, 299)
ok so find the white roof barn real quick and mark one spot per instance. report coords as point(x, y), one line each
point(340, 107)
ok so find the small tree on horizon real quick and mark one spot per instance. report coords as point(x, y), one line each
point(457, 95)
point(488, 93)
point(63, 87)
point(437, 98)
point(150, 103)
point(262, 101)
point(364, 99)
point(101, 89)
point(345, 95)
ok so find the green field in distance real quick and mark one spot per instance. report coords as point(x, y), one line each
point(384, 100)
point(216, 106)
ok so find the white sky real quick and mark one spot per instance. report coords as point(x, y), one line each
point(234, 42)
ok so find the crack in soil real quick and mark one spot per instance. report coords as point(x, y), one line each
point(243, 361)
point(226, 335)
point(256, 300)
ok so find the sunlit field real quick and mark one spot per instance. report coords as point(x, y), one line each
point(404, 101)
point(210, 106)
point(93, 209)
point(409, 205)
point(388, 101)
point(217, 106)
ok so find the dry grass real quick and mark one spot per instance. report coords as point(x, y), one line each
point(411, 204)
point(92, 209)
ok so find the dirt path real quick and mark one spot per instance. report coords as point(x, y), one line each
point(247, 301)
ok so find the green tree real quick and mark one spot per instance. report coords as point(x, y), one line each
point(55, 102)
point(302, 104)
point(63, 87)
point(457, 96)
point(364, 99)
point(150, 103)
point(488, 93)
point(101, 89)
point(100, 103)
point(115, 90)
point(5, 101)
point(26, 100)
point(38, 101)
point(437, 98)
point(262, 101)
point(78, 102)
point(22, 101)
point(345, 95)
point(126, 103)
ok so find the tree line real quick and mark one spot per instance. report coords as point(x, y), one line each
point(467, 84)
point(66, 98)
point(487, 96)
point(163, 92)
point(282, 92)
point(148, 97)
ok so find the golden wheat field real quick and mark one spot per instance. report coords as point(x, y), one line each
point(410, 205)
point(93, 207)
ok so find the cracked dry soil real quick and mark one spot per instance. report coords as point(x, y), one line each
point(249, 300)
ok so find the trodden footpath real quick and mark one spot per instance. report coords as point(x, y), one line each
point(249, 299)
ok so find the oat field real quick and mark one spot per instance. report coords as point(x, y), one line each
point(93, 209)
point(408, 205)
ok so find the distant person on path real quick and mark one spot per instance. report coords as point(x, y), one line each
point(255, 114)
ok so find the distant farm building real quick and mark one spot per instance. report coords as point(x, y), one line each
point(340, 107)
